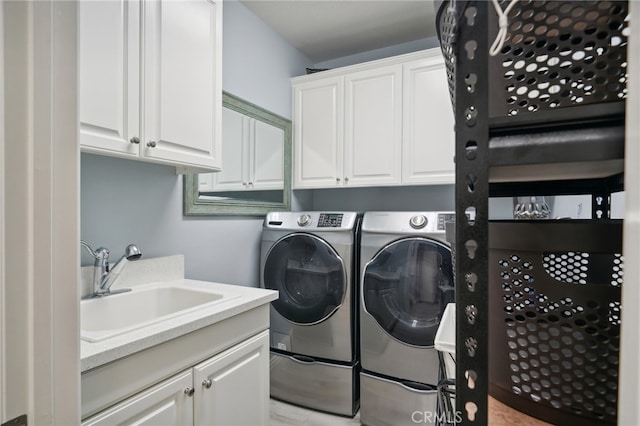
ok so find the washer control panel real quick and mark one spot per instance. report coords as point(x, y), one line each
point(330, 220)
point(444, 218)
point(310, 221)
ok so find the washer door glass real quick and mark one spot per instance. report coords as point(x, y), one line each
point(309, 275)
point(406, 287)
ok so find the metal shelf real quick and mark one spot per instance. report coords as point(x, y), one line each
point(551, 152)
point(567, 153)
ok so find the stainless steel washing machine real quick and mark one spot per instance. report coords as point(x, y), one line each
point(310, 259)
point(406, 282)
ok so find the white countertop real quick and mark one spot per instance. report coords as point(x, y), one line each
point(95, 354)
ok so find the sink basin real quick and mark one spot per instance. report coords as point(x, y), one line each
point(109, 316)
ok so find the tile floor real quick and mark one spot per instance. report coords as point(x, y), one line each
point(283, 414)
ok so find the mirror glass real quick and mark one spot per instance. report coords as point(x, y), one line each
point(256, 165)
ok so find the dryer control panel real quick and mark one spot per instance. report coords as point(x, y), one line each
point(330, 220)
point(408, 222)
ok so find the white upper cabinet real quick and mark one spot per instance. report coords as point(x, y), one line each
point(373, 126)
point(318, 133)
point(235, 151)
point(153, 92)
point(109, 106)
point(386, 122)
point(429, 136)
point(348, 129)
point(267, 156)
point(253, 153)
point(182, 81)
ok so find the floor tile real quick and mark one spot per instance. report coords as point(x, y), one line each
point(283, 414)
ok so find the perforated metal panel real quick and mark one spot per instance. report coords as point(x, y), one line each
point(561, 54)
point(558, 314)
point(447, 27)
point(558, 54)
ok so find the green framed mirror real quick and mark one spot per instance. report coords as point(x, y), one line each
point(256, 165)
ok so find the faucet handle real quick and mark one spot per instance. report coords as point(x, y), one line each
point(100, 254)
point(88, 248)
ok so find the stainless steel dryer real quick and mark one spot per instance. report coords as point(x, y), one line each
point(310, 259)
point(405, 284)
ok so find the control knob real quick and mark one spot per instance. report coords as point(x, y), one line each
point(304, 220)
point(418, 221)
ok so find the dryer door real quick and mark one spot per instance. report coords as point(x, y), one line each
point(309, 275)
point(406, 286)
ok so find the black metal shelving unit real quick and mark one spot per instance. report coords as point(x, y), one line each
point(543, 117)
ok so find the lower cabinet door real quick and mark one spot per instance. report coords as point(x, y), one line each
point(232, 388)
point(167, 403)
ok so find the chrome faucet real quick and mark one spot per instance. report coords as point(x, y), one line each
point(103, 275)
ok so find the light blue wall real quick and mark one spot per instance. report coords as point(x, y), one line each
point(407, 198)
point(385, 52)
point(257, 62)
point(125, 201)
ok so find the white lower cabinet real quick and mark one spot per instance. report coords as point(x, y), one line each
point(167, 403)
point(233, 387)
point(230, 388)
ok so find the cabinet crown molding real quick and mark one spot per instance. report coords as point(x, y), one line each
point(434, 52)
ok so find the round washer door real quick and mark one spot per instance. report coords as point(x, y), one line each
point(309, 275)
point(406, 286)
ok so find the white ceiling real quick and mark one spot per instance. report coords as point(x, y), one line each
point(329, 29)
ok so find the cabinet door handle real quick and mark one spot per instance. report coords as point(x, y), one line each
point(189, 391)
point(135, 140)
point(346, 179)
point(337, 179)
point(151, 144)
point(207, 383)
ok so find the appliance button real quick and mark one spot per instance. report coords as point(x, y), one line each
point(418, 221)
point(304, 220)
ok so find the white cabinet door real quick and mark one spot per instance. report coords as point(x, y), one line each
point(253, 153)
point(182, 48)
point(373, 126)
point(428, 136)
point(205, 182)
point(318, 132)
point(232, 388)
point(267, 157)
point(109, 56)
point(166, 403)
point(234, 175)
